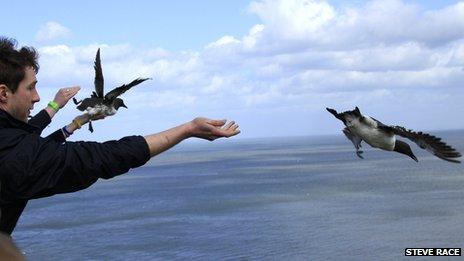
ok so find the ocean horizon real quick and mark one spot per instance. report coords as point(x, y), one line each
point(279, 198)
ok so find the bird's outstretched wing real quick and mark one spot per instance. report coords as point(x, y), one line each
point(356, 141)
point(98, 77)
point(121, 89)
point(427, 142)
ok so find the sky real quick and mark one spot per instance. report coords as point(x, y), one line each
point(272, 66)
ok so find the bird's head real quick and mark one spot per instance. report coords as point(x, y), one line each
point(118, 102)
point(352, 117)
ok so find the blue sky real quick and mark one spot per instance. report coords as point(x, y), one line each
point(176, 25)
point(273, 66)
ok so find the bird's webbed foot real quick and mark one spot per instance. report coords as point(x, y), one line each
point(90, 126)
point(358, 153)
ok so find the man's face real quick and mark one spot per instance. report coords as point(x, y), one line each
point(22, 101)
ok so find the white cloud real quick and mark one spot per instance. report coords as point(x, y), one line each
point(225, 40)
point(303, 56)
point(294, 18)
point(141, 99)
point(312, 24)
point(52, 31)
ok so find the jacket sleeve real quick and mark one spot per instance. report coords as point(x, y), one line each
point(57, 136)
point(40, 120)
point(41, 167)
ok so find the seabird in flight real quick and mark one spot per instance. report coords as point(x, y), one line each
point(364, 128)
point(99, 104)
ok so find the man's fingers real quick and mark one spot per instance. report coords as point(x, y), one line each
point(65, 94)
point(72, 91)
point(228, 131)
point(228, 125)
point(213, 129)
point(74, 88)
point(234, 129)
point(232, 126)
point(217, 123)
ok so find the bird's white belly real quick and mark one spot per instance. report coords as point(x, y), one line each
point(101, 110)
point(375, 138)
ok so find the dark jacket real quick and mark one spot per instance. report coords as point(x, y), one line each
point(41, 120)
point(34, 167)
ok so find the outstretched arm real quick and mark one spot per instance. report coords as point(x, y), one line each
point(200, 128)
point(72, 166)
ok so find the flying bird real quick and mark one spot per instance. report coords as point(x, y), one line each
point(99, 104)
point(364, 128)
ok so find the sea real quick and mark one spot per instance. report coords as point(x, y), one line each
point(294, 198)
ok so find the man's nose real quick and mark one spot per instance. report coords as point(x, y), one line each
point(36, 97)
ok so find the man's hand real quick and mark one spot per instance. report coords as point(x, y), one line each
point(65, 94)
point(212, 129)
point(81, 120)
point(61, 98)
point(200, 127)
point(97, 117)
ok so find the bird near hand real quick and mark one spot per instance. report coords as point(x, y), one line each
point(100, 104)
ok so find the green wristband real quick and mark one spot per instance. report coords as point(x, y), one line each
point(54, 106)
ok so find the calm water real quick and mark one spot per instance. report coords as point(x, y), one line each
point(306, 198)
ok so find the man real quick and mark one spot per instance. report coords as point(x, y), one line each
point(34, 167)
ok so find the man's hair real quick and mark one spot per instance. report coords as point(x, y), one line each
point(14, 62)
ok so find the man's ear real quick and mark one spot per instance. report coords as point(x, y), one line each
point(4, 93)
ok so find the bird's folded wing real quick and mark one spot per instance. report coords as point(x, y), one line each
point(121, 89)
point(89, 102)
point(428, 142)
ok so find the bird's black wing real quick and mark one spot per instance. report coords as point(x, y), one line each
point(428, 142)
point(89, 102)
point(121, 89)
point(98, 77)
